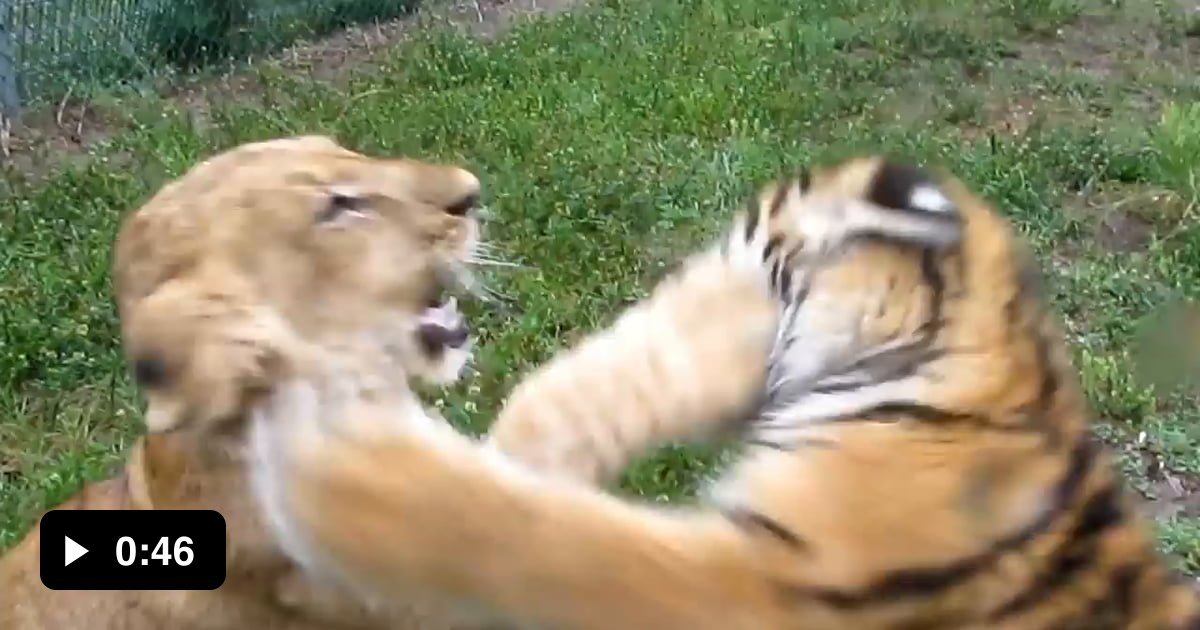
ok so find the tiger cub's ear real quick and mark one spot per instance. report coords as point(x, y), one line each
point(904, 203)
point(866, 198)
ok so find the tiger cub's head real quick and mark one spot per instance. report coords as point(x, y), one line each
point(227, 273)
point(905, 294)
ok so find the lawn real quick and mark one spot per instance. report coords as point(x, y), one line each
point(614, 138)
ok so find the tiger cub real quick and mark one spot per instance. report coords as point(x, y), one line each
point(921, 457)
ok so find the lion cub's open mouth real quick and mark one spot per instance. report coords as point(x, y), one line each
point(442, 339)
point(441, 325)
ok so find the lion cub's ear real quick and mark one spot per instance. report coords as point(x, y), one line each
point(201, 351)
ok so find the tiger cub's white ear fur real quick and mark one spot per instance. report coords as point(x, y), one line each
point(889, 201)
point(904, 203)
point(917, 227)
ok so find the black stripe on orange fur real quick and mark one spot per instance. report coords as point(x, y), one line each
point(772, 245)
point(803, 179)
point(894, 364)
point(778, 198)
point(932, 275)
point(797, 444)
point(752, 218)
point(775, 446)
point(781, 278)
point(924, 581)
point(1076, 553)
point(913, 411)
point(750, 519)
point(1123, 588)
point(908, 359)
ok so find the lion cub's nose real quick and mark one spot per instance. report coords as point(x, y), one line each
point(435, 337)
point(468, 198)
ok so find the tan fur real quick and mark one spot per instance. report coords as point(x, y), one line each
point(222, 280)
point(922, 458)
point(225, 269)
point(165, 471)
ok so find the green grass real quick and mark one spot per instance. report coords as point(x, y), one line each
point(614, 139)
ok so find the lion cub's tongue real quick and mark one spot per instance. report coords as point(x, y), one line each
point(442, 326)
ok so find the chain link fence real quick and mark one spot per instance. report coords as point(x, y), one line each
point(9, 101)
point(49, 46)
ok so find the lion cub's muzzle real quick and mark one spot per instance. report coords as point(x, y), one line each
point(441, 327)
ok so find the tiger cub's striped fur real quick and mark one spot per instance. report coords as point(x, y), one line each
point(922, 458)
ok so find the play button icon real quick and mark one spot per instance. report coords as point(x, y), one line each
point(72, 551)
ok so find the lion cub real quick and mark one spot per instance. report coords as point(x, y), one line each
point(268, 246)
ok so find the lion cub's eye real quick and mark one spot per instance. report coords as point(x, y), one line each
point(464, 205)
point(340, 204)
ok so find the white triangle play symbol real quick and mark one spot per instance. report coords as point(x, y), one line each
point(72, 551)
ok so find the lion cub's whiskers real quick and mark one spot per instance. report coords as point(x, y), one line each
point(487, 261)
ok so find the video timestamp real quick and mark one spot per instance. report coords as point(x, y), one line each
point(127, 551)
point(133, 549)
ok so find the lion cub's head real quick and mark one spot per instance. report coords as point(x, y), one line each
point(277, 245)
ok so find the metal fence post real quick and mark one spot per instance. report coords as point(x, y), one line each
point(9, 100)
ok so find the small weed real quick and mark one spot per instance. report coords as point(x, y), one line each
point(1177, 141)
point(1181, 538)
point(1041, 16)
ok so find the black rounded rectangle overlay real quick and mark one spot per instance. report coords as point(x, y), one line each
point(133, 549)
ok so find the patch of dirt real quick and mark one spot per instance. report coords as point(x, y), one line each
point(1162, 492)
point(1125, 217)
point(1175, 495)
point(1111, 67)
point(1132, 48)
point(1006, 114)
point(1166, 493)
point(1112, 45)
point(1122, 232)
point(62, 133)
point(1087, 45)
point(41, 140)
